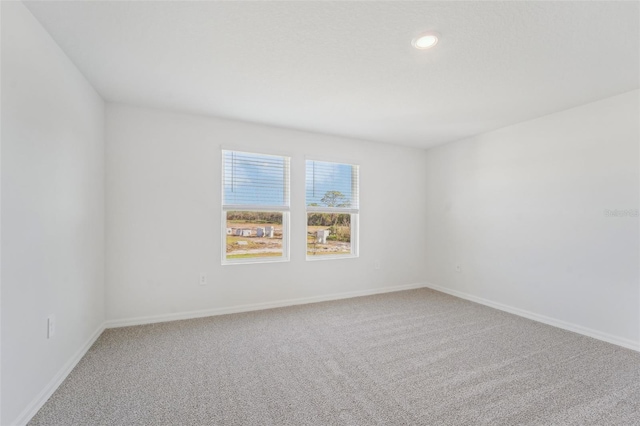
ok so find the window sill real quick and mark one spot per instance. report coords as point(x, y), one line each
point(254, 261)
point(330, 257)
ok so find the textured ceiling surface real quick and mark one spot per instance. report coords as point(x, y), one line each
point(348, 68)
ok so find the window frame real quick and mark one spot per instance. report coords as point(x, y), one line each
point(354, 213)
point(285, 210)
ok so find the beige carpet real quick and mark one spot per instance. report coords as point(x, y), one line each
point(406, 358)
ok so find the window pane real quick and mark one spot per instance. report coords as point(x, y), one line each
point(255, 179)
point(253, 235)
point(331, 184)
point(328, 234)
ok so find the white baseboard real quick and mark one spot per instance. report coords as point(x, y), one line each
point(610, 338)
point(255, 306)
point(37, 403)
point(57, 380)
point(31, 410)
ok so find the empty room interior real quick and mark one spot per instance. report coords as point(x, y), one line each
point(320, 213)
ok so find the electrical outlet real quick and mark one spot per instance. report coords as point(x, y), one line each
point(51, 326)
point(203, 279)
point(376, 264)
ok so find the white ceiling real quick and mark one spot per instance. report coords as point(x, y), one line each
point(348, 68)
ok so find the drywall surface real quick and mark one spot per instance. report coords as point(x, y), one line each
point(348, 67)
point(542, 217)
point(52, 210)
point(164, 215)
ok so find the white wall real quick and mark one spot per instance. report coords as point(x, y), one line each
point(521, 210)
point(52, 210)
point(163, 215)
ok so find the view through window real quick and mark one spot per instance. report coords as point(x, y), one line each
point(255, 206)
point(332, 209)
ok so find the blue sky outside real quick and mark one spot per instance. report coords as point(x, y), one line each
point(259, 180)
point(254, 179)
point(322, 177)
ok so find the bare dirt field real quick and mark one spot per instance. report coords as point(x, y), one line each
point(330, 248)
point(254, 246)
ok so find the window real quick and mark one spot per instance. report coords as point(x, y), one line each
point(255, 207)
point(332, 210)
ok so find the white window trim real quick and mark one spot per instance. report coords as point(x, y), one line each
point(285, 210)
point(355, 215)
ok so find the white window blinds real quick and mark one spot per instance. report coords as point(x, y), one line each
point(255, 181)
point(332, 187)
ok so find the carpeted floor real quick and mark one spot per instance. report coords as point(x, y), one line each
point(415, 357)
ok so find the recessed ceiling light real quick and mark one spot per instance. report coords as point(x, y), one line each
point(425, 40)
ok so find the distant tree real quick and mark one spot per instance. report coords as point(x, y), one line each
point(330, 199)
point(255, 217)
point(335, 199)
